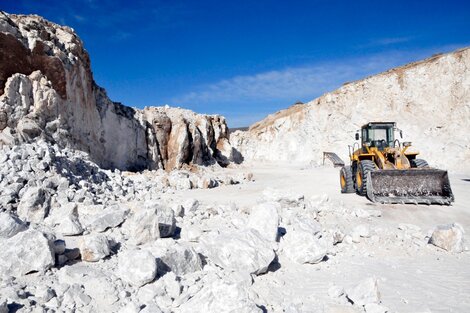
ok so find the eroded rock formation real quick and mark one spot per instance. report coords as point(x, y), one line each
point(47, 90)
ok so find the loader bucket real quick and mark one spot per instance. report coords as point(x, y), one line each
point(428, 186)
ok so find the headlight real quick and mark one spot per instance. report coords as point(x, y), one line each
point(407, 144)
point(367, 144)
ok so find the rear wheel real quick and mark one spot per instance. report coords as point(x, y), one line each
point(419, 163)
point(364, 167)
point(346, 180)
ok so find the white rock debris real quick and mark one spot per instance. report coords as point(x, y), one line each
point(106, 208)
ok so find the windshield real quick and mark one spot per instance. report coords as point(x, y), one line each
point(378, 136)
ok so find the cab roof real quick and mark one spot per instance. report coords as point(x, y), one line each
point(370, 124)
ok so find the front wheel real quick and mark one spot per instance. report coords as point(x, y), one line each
point(419, 163)
point(346, 180)
point(364, 167)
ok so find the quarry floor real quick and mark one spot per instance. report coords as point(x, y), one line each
point(412, 278)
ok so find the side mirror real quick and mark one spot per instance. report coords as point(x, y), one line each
point(357, 136)
point(401, 134)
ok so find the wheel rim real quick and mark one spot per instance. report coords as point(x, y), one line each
point(343, 181)
point(359, 179)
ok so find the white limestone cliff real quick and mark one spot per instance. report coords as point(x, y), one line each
point(429, 100)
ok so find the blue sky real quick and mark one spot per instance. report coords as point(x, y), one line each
point(247, 59)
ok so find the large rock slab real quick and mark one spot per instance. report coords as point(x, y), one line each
point(10, 225)
point(34, 205)
point(181, 259)
point(26, 252)
point(303, 243)
point(220, 296)
point(143, 227)
point(366, 292)
point(137, 267)
point(110, 217)
point(94, 247)
point(449, 237)
point(265, 219)
point(67, 222)
point(241, 251)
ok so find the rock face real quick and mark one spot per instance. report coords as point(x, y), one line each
point(47, 90)
point(416, 96)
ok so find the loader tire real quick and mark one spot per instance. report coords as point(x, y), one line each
point(346, 180)
point(419, 163)
point(364, 167)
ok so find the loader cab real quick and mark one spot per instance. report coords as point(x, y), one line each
point(378, 134)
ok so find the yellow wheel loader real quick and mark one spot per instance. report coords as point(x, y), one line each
point(383, 169)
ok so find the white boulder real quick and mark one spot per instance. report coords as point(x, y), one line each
point(66, 220)
point(10, 225)
point(26, 252)
point(137, 267)
point(240, 251)
point(220, 296)
point(143, 227)
point(110, 217)
point(181, 259)
point(190, 205)
point(34, 205)
point(166, 221)
point(265, 219)
point(366, 292)
point(449, 237)
point(94, 247)
point(360, 231)
point(303, 243)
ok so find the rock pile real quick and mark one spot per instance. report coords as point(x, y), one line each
point(37, 178)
